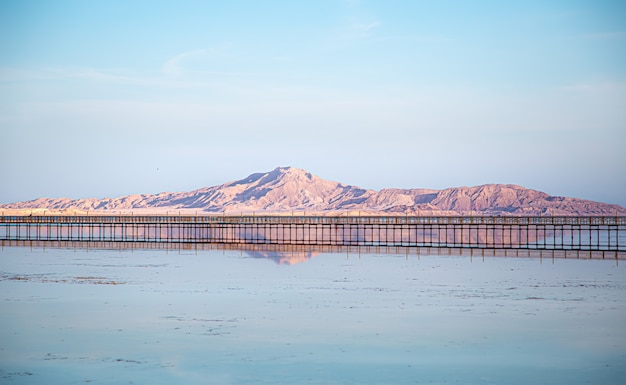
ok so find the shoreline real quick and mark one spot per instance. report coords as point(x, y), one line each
point(294, 213)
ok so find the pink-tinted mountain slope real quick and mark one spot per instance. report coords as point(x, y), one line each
point(286, 189)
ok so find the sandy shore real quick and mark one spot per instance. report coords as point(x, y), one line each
point(195, 212)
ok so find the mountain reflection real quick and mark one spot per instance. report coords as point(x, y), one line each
point(294, 254)
point(283, 258)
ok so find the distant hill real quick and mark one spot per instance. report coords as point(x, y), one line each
point(286, 189)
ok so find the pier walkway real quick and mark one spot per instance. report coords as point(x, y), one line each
point(526, 233)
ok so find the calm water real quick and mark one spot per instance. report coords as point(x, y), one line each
point(229, 317)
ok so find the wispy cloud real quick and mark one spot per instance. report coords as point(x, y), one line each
point(361, 30)
point(205, 59)
point(420, 38)
point(174, 65)
point(19, 75)
point(353, 3)
point(367, 27)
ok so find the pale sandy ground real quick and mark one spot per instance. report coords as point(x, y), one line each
point(194, 212)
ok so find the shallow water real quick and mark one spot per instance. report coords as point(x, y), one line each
point(74, 316)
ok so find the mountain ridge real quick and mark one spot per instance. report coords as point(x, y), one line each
point(286, 189)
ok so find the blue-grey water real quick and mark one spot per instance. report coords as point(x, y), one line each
point(76, 316)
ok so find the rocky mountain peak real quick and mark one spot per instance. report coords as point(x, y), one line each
point(279, 173)
point(287, 188)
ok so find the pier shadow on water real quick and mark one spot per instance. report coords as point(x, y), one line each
point(111, 313)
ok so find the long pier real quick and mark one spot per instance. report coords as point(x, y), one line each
point(490, 232)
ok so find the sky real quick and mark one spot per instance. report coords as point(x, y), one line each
point(110, 98)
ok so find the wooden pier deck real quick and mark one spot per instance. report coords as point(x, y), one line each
point(525, 233)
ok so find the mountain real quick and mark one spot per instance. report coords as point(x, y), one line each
point(287, 189)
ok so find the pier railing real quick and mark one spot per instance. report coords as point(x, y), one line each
point(594, 233)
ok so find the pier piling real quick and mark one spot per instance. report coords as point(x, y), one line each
point(532, 233)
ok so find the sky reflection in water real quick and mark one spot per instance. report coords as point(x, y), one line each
point(230, 317)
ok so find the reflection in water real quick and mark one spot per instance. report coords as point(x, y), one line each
point(209, 316)
point(283, 258)
point(291, 254)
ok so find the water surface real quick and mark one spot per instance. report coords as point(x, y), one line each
point(75, 316)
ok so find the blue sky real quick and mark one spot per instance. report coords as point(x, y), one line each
point(103, 99)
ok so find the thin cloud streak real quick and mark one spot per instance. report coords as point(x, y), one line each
point(173, 66)
point(367, 27)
